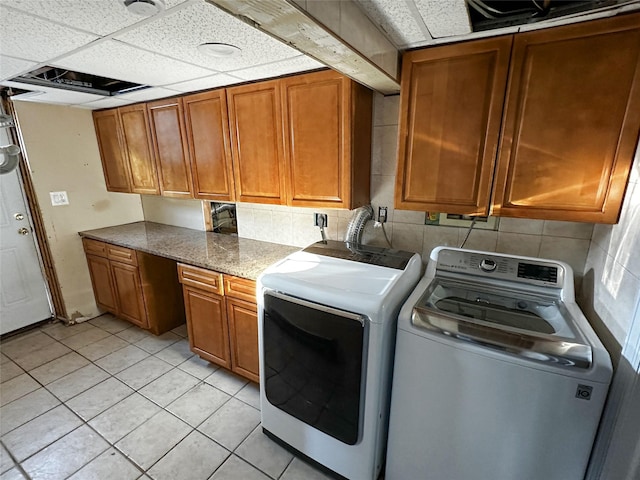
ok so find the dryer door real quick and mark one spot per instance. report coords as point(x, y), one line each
point(314, 363)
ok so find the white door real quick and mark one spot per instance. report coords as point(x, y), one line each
point(23, 293)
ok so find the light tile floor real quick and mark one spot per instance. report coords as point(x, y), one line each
point(107, 400)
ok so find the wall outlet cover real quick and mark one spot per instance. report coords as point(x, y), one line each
point(59, 198)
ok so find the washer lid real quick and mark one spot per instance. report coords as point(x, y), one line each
point(534, 326)
point(382, 257)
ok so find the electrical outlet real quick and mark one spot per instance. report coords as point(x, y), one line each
point(320, 219)
point(59, 198)
point(382, 214)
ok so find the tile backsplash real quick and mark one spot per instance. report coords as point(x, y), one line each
point(566, 241)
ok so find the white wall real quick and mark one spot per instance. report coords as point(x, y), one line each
point(62, 151)
point(567, 241)
point(173, 211)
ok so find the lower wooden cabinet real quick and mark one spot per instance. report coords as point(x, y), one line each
point(222, 319)
point(135, 286)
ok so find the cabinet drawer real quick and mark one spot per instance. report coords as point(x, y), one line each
point(94, 247)
point(200, 278)
point(122, 255)
point(240, 288)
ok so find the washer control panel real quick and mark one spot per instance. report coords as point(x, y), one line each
point(505, 268)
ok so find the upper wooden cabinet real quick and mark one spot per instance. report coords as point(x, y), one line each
point(255, 118)
point(169, 136)
point(112, 154)
point(327, 133)
point(139, 150)
point(207, 124)
point(450, 111)
point(569, 126)
point(571, 122)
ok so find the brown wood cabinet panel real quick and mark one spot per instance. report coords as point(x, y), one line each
point(129, 293)
point(240, 288)
point(94, 247)
point(121, 254)
point(102, 283)
point(139, 149)
point(201, 278)
point(450, 111)
point(255, 118)
point(571, 122)
point(207, 122)
point(243, 336)
point(318, 123)
point(115, 165)
point(207, 325)
point(170, 147)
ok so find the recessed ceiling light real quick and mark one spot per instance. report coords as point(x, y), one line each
point(144, 8)
point(219, 50)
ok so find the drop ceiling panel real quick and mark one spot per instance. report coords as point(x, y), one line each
point(108, 102)
point(177, 35)
point(51, 95)
point(445, 19)
point(31, 38)
point(117, 60)
point(10, 67)
point(402, 23)
point(204, 83)
point(284, 67)
point(148, 94)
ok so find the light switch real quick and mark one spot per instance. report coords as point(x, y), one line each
point(59, 198)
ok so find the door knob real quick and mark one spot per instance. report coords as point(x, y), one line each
point(23, 231)
point(18, 216)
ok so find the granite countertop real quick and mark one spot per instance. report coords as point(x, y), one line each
point(223, 253)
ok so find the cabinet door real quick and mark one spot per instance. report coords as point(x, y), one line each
point(571, 122)
point(114, 162)
point(317, 142)
point(450, 110)
point(102, 283)
point(255, 118)
point(243, 336)
point(207, 124)
point(129, 293)
point(137, 142)
point(207, 325)
point(170, 147)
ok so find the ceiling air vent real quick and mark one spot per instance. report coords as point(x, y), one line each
point(490, 14)
point(54, 77)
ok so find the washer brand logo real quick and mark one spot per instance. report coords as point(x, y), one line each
point(584, 392)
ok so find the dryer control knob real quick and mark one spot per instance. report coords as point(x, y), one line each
point(487, 265)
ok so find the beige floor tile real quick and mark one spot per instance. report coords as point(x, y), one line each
point(64, 457)
point(17, 387)
point(144, 372)
point(6, 462)
point(103, 347)
point(29, 342)
point(60, 330)
point(198, 403)
point(250, 394)
point(226, 381)
point(85, 338)
point(9, 370)
point(194, 458)
point(4, 359)
point(231, 423)
point(234, 468)
point(77, 382)
point(198, 367)
point(264, 454)
point(33, 436)
point(31, 359)
point(125, 416)
point(177, 353)
point(133, 334)
point(125, 357)
point(13, 474)
point(181, 331)
point(153, 439)
point(168, 387)
point(110, 323)
point(154, 344)
point(58, 368)
point(97, 399)
point(298, 469)
point(26, 408)
point(110, 465)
